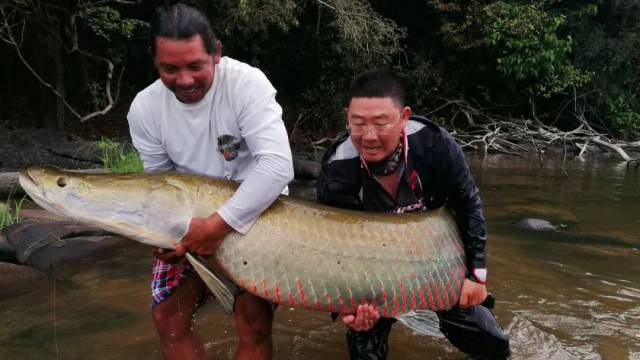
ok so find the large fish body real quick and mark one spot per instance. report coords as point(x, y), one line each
point(297, 252)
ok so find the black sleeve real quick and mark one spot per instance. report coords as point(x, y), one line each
point(338, 184)
point(464, 201)
point(322, 187)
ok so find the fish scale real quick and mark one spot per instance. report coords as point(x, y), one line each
point(298, 252)
point(394, 262)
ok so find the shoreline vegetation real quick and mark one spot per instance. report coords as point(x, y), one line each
point(119, 157)
point(10, 210)
point(499, 74)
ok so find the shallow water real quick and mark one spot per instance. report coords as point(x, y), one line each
point(569, 294)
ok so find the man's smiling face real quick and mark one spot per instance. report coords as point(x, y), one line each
point(185, 67)
point(376, 126)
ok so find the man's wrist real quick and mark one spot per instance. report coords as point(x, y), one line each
point(216, 222)
point(478, 275)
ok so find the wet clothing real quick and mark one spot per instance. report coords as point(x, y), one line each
point(434, 174)
point(165, 279)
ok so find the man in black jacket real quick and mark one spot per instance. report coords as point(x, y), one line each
point(394, 162)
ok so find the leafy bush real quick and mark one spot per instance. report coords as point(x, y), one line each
point(528, 48)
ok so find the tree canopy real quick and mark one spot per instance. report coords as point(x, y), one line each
point(556, 61)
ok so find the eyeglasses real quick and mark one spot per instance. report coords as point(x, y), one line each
point(378, 129)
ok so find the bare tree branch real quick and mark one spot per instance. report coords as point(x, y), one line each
point(7, 35)
point(491, 133)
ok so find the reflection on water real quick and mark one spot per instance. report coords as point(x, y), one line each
point(567, 294)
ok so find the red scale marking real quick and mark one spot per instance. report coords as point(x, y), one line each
point(385, 310)
point(277, 293)
point(423, 301)
point(344, 308)
point(319, 305)
point(265, 290)
point(301, 294)
point(413, 299)
point(460, 272)
point(453, 293)
point(292, 301)
point(445, 293)
point(396, 304)
point(404, 296)
point(438, 299)
point(330, 305)
point(254, 288)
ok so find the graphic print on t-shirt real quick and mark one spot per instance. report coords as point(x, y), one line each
point(228, 146)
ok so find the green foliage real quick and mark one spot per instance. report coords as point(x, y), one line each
point(10, 211)
point(608, 45)
point(460, 23)
point(622, 116)
point(118, 159)
point(108, 24)
point(260, 15)
point(529, 49)
point(497, 55)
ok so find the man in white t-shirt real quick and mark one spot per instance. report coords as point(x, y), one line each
point(212, 115)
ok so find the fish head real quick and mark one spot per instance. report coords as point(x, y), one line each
point(46, 186)
point(141, 207)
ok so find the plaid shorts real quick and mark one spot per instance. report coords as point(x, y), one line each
point(166, 278)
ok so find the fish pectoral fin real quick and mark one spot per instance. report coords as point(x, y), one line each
point(222, 288)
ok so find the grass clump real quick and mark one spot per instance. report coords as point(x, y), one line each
point(118, 159)
point(7, 216)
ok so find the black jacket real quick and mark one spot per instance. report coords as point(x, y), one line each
point(443, 172)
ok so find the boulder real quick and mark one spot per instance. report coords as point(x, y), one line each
point(43, 244)
point(536, 224)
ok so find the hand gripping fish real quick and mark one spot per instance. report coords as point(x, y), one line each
point(298, 252)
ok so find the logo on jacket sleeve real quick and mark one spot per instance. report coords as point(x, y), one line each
point(228, 146)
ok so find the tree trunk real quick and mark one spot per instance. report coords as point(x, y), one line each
point(56, 56)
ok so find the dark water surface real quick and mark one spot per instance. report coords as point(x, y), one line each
point(567, 294)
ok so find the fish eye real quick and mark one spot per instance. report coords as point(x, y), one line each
point(62, 182)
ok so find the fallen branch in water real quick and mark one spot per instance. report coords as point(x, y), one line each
point(496, 134)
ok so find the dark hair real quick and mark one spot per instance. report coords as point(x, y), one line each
point(181, 22)
point(377, 84)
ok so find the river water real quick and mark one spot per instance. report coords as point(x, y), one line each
point(573, 293)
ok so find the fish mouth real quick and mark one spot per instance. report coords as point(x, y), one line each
point(33, 187)
point(29, 183)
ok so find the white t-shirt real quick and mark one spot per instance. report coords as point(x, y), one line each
point(235, 132)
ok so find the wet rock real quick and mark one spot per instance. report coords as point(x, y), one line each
point(42, 244)
point(17, 278)
point(536, 224)
point(27, 147)
point(9, 185)
point(7, 251)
